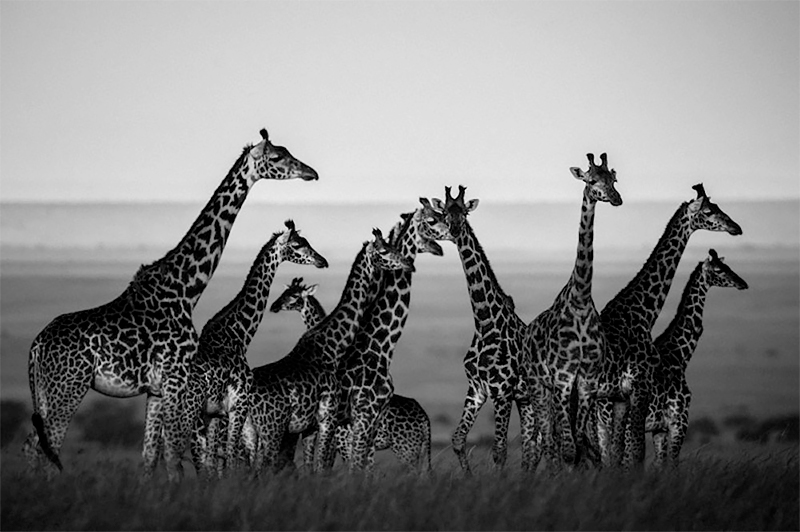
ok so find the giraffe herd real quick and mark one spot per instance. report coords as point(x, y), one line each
point(588, 384)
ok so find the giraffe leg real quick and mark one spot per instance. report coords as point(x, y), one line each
point(634, 431)
point(677, 431)
point(619, 424)
point(586, 424)
point(660, 447)
point(529, 433)
point(249, 440)
point(151, 448)
point(61, 409)
point(31, 451)
point(327, 411)
point(309, 443)
point(367, 414)
point(472, 405)
point(604, 410)
point(343, 442)
point(173, 425)
point(236, 419)
point(502, 416)
point(217, 445)
point(198, 445)
point(564, 421)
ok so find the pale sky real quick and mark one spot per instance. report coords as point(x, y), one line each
point(390, 100)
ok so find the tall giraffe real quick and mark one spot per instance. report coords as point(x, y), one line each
point(144, 340)
point(220, 377)
point(627, 321)
point(568, 333)
point(404, 427)
point(495, 363)
point(301, 389)
point(668, 416)
point(366, 383)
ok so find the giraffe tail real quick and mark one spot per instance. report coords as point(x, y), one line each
point(38, 423)
point(36, 418)
point(428, 445)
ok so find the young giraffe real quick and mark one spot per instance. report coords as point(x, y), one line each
point(568, 333)
point(627, 321)
point(668, 416)
point(405, 427)
point(220, 376)
point(144, 340)
point(496, 362)
point(364, 370)
point(301, 390)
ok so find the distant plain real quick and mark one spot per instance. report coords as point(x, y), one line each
point(747, 361)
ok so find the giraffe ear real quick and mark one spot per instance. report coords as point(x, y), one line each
point(577, 173)
point(310, 291)
point(437, 204)
point(472, 205)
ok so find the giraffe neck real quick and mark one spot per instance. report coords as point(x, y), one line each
point(338, 329)
point(680, 338)
point(311, 312)
point(193, 261)
point(643, 298)
point(580, 293)
point(389, 310)
point(239, 320)
point(484, 291)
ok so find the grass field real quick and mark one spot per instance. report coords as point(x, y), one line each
point(745, 370)
point(715, 488)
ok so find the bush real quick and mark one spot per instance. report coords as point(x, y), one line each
point(782, 429)
point(111, 422)
point(14, 415)
point(704, 429)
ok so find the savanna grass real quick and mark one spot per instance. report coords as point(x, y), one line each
point(710, 491)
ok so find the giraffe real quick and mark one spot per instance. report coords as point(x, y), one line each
point(301, 390)
point(496, 362)
point(627, 321)
point(364, 375)
point(568, 332)
point(668, 416)
point(220, 376)
point(143, 341)
point(404, 428)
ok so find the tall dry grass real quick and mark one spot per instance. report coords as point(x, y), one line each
point(712, 490)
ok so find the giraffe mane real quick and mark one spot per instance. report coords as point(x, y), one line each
point(352, 278)
point(652, 256)
point(489, 271)
point(253, 267)
point(193, 228)
point(401, 228)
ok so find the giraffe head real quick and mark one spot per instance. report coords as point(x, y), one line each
point(423, 240)
point(718, 273)
point(599, 180)
point(383, 256)
point(293, 298)
point(268, 161)
point(294, 248)
point(705, 214)
point(433, 224)
point(454, 211)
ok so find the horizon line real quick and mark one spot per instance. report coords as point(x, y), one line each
point(345, 202)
